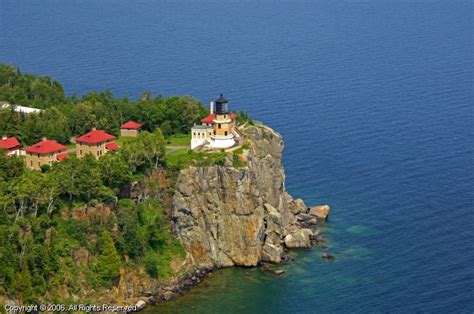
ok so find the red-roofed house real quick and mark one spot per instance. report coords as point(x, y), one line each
point(96, 142)
point(130, 129)
point(44, 153)
point(10, 145)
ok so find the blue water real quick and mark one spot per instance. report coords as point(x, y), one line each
point(374, 100)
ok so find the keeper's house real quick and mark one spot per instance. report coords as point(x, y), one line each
point(96, 142)
point(10, 144)
point(43, 153)
point(130, 129)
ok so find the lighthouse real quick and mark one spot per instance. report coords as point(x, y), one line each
point(223, 125)
point(217, 129)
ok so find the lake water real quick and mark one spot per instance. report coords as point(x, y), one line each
point(374, 100)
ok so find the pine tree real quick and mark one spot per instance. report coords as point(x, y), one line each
point(109, 260)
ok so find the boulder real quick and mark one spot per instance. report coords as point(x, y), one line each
point(297, 206)
point(303, 217)
point(321, 211)
point(313, 221)
point(167, 295)
point(272, 253)
point(299, 239)
point(140, 305)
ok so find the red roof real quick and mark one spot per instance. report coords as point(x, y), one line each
point(45, 147)
point(111, 146)
point(94, 137)
point(131, 125)
point(211, 117)
point(62, 156)
point(10, 143)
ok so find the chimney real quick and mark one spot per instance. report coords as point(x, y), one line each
point(4, 137)
point(94, 129)
point(211, 107)
point(44, 139)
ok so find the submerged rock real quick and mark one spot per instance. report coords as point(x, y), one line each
point(273, 271)
point(327, 256)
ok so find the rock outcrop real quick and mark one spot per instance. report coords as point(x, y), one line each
point(228, 216)
point(321, 211)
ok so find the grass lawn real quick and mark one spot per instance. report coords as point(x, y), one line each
point(183, 158)
point(179, 140)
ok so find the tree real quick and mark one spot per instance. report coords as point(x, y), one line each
point(132, 241)
point(109, 260)
point(114, 171)
point(82, 119)
point(134, 153)
point(23, 284)
point(155, 146)
point(10, 166)
point(54, 125)
point(79, 178)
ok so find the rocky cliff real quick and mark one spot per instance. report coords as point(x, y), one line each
point(228, 216)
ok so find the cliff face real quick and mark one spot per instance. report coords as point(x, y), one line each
point(228, 216)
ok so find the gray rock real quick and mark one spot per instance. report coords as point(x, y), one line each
point(140, 305)
point(304, 217)
point(168, 295)
point(299, 239)
point(297, 206)
point(272, 253)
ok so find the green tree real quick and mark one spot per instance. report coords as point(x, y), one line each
point(114, 171)
point(23, 284)
point(155, 146)
point(82, 119)
point(109, 260)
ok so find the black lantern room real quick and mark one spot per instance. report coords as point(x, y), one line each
point(222, 105)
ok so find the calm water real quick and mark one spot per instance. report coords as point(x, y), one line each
point(374, 100)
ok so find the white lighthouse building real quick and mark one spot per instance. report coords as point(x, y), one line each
point(216, 129)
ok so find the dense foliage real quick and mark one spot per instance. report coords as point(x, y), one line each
point(49, 218)
point(65, 117)
point(40, 229)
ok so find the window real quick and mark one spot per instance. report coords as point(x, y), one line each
point(98, 153)
point(80, 152)
point(225, 133)
point(31, 163)
point(219, 125)
point(225, 116)
point(214, 132)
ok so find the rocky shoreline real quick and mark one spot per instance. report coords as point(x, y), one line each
point(178, 287)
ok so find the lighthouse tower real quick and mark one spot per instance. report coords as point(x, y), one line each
point(223, 125)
